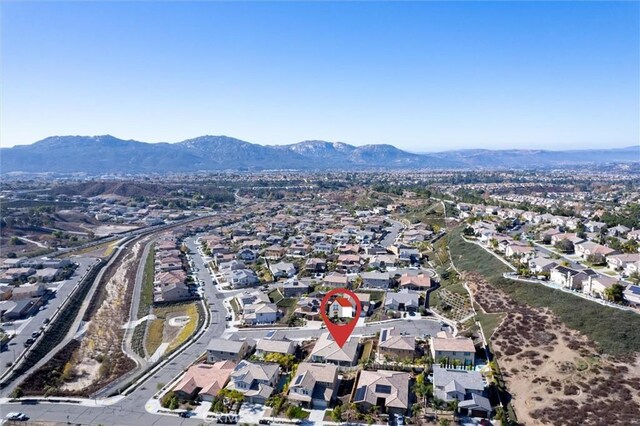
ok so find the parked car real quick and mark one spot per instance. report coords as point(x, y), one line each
point(35, 334)
point(16, 416)
point(28, 342)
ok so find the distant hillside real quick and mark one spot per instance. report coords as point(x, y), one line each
point(107, 154)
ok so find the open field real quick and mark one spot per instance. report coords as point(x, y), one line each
point(555, 375)
point(489, 322)
point(565, 360)
point(103, 250)
point(100, 359)
point(615, 332)
point(104, 230)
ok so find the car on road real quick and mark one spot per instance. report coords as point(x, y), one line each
point(28, 342)
point(16, 416)
point(185, 414)
point(264, 422)
point(35, 334)
point(46, 321)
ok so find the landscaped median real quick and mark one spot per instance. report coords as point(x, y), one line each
point(173, 326)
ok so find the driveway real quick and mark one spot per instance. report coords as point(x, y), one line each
point(251, 413)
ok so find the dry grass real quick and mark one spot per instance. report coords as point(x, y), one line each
point(160, 331)
point(555, 374)
point(188, 329)
point(153, 339)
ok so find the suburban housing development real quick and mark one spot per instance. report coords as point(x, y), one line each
point(232, 295)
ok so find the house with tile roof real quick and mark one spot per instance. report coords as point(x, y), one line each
point(204, 380)
point(387, 390)
point(461, 349)
point(396, 346)
point(455, 384)
point(255, 380)
point(314, 385)
point(326, 350)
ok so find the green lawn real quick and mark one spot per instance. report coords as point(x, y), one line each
point(366, 352)
point(489, 322)
point(615, 331)
point(374, 296)
point(276, 296)
point(235, 307)
point(146, 292)
point(289, 304)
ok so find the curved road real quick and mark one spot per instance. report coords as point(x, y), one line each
point(130, 410)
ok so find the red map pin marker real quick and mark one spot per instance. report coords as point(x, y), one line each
point(343, 305)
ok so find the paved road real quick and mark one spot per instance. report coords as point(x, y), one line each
point(131, 410)
point(25, 327)
point(414, 327)
point(572, 263)
point(392, 234)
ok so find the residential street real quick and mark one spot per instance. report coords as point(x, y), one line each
point(393, 232)
point(131, 410)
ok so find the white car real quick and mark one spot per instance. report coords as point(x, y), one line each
point(16, 416)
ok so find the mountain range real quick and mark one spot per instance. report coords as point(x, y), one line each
point(108, 154)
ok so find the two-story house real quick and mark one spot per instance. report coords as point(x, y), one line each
point(314, 385)
point(255, 380)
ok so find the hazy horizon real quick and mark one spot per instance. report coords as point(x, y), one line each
point(423, 77)
point(434, 150)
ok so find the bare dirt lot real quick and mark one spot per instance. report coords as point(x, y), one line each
point(100, 358)
point(554, 374)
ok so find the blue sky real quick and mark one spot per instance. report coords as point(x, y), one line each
point(422, 76)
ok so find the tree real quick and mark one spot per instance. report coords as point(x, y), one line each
point(422, 388)
point(286, 361)
point(17, 393)
point(565, 246)
point(631, 246)
point(15, 241)
point(336, 414)
point(596, 259)
point(615, 293)
point(68, 371)
point(294, 412)
point(614, 243)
